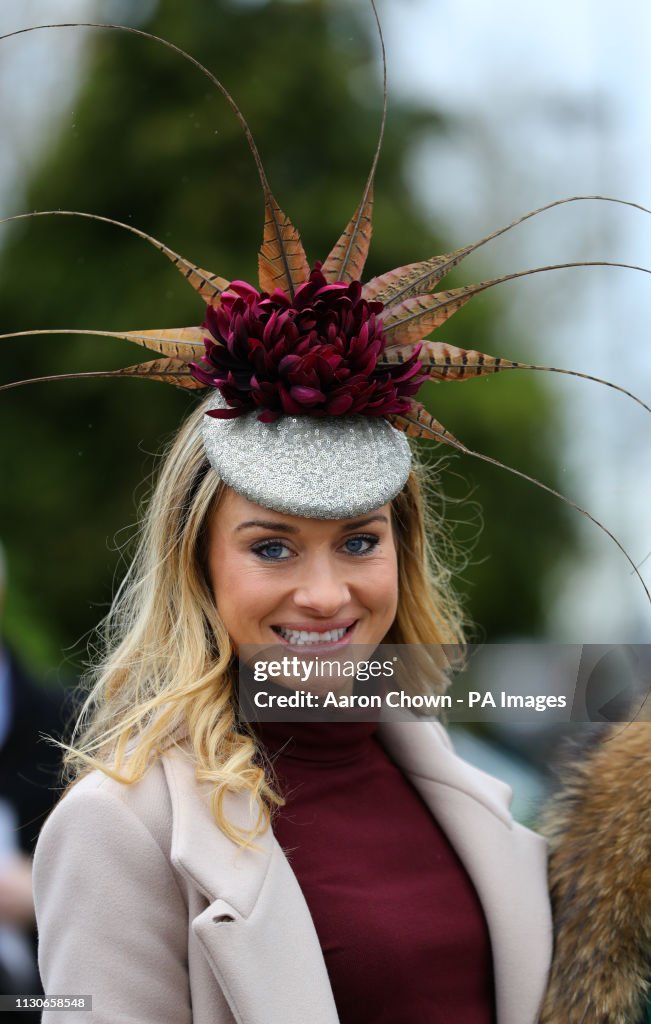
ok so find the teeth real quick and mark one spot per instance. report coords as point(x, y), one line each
point(301, 636)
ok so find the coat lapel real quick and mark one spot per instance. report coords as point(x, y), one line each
point(257, 932)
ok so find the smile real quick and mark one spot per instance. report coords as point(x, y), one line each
point(300, 637)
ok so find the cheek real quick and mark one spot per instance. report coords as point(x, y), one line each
point(241, 591)
point(381, 583)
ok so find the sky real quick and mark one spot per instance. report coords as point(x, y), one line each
point(550, 101)
point(545, 101)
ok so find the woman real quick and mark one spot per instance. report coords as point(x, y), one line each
point(160, 887)
point(390, 882)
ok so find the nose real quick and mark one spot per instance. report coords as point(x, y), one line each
point(323, 587)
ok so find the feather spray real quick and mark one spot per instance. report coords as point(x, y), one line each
point(316, 340)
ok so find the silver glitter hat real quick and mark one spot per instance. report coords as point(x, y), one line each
point(327, 468)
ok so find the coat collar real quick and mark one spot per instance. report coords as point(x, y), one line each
point(253, 892)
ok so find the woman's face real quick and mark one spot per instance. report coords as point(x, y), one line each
point(280, 578)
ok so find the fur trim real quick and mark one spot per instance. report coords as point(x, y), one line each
point(599, 830)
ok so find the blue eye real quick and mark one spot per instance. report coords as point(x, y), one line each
point(356, 542)
point(270, 551)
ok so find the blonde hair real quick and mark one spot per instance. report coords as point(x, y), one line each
point(165, 668)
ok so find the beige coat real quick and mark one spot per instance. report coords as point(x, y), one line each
point(144, 904)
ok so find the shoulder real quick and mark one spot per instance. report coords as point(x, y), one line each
point(103, 883)
point(98, 807)
point(108, 845)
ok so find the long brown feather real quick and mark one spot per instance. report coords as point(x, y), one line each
point(169, 371)
point(282, 262)
point(421, 424)
point(348, 257)
point(180, 342)
point(568, 501)
point(416, 278)
point(281, 247)
point(170, 46)
point(442, 361)
point(413, 318)
point(208, 285)
point(418, 422)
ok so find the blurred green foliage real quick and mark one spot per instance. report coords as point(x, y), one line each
point(150, 142)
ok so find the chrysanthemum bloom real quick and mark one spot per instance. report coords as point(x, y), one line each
point(315, 354)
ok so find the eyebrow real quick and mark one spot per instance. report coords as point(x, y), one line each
point(271, 524)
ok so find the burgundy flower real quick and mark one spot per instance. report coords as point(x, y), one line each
point(315, 355)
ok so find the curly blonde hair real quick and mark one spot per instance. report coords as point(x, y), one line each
point(165, 667)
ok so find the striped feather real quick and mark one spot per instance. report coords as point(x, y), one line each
point(418, 422)
point(412, 279)
point(282, 262)
point(415, 278)
point(447, 362)
point(181, 342)
point(280, 249)
point(168, 371)
point(207, 284)
point(413, 318)
point(417, 316)
point(347, 259)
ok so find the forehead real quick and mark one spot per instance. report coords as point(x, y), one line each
point(235, 514)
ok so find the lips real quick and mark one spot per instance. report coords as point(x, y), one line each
point(310, 635)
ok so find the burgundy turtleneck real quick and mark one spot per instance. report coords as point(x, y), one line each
point(402, 930)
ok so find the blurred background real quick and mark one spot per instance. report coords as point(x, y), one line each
point(494, 110)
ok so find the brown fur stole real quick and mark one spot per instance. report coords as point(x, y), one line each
point(599, 828)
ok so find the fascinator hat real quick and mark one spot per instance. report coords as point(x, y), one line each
point(312, 376)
